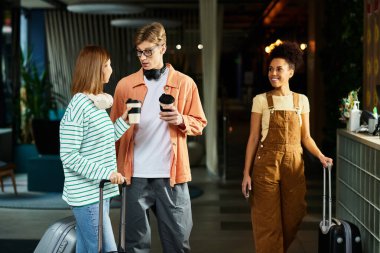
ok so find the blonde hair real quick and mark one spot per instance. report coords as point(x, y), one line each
point(154, 33)
point(88, 71)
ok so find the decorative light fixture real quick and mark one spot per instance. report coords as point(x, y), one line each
point(105, 8)
point(138, 22)
point(303, 46)
point(269, 48)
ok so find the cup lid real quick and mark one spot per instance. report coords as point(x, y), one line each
point(166, 98)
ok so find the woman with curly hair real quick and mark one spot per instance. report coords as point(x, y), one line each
point(274, 166)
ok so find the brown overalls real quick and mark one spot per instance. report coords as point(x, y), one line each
point(279, 188)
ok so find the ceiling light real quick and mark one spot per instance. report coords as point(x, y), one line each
point(36, 4)
point(105, 8)
point(139, 22)
point(303, 46)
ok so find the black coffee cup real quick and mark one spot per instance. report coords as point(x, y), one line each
point(166, 100)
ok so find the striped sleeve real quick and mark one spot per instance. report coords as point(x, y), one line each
point(71, 138)
point(120, 127)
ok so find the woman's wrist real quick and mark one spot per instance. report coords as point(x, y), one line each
point(125, 118)
point(246, 173)
point(321, 156)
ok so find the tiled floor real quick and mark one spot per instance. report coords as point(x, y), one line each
point(221, 215)
point(221, 220)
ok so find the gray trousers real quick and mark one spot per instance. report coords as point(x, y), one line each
point(172, 208)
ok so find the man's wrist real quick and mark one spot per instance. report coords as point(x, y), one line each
point(182, 124)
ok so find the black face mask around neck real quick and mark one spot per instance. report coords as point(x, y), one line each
point(154, 74)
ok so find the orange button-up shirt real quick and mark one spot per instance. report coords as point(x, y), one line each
point(188, 104)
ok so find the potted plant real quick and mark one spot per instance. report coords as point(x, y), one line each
point(37, 101)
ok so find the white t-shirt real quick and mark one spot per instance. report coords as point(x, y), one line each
point(152, 152)
point(260, 105)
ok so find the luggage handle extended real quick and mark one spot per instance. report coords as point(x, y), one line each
point(121, 246)
point(326, 224)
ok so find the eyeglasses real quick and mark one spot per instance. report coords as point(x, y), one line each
point(146, 52)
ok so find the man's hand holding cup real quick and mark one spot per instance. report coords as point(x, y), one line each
point(169, 112)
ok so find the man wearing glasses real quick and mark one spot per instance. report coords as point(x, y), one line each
point(153, 155)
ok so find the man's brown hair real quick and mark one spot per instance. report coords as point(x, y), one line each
point(88, 72)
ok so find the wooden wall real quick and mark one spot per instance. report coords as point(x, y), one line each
point(371, 56)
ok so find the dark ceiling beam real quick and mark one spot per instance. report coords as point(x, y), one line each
point(272, 11)
point(56, 3)
point(267, 7)
point(257, 23)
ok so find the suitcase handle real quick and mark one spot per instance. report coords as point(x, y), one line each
point(326, 223)
point(121, 245)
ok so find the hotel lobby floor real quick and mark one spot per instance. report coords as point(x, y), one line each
point(221, 220)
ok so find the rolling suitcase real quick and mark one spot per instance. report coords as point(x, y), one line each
point(121, 244)
point(59, 237)
point(336, 236)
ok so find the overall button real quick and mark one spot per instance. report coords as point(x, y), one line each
point(259, 157)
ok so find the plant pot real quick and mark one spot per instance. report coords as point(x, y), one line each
point(46, 136)
point(22, 154)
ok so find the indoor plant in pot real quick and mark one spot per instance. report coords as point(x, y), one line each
point(37, 101)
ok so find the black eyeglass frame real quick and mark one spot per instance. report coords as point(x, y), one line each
point(147, 52)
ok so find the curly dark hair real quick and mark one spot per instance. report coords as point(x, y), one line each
point(290, 52)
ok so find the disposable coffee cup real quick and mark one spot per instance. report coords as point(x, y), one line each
point(166, 101)
point(135, 111)
point(372, 125)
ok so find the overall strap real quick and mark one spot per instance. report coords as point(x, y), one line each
point(296, 102)
point(270, 101)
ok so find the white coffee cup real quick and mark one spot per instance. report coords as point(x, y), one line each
point(135, 111)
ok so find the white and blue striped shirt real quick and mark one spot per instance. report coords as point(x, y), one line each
point(87, 149)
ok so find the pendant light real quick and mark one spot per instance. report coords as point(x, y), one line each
point(105, 8)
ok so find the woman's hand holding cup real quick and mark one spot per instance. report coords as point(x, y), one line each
point(125, 115)
point(133, 111)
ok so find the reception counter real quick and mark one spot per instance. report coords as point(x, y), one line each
point(358, 184)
